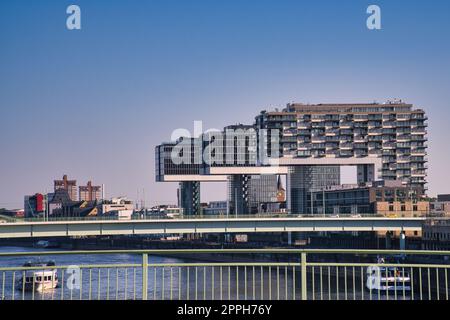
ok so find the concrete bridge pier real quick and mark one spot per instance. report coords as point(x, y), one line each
point(402, 240)
point(388, 239)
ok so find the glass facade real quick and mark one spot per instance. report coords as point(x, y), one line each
point(248, 194)
point(302, 180)
point(189, 197)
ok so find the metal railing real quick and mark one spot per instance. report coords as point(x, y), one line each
point(204, 216)
point(252, 274)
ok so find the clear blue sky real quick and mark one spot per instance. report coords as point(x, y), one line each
point(93, 103)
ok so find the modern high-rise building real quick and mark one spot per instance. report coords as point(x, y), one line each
point(249, 193)
point(90, 192)
point(69, 185)
point(392, 131)
point(307, 143)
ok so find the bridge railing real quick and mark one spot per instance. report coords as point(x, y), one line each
point(247, 274)
point(212, 217)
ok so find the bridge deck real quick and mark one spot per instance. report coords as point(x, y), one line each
point(220, 225)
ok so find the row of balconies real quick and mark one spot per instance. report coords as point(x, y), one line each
point(418, 123)
point(373, 128)
point(419, 159)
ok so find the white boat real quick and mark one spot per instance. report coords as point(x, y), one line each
point(39, 279)
point(388, 279)
point(46, 244)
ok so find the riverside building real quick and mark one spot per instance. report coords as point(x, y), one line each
point(308, 143)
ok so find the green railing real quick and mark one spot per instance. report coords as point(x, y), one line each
point(251, 274)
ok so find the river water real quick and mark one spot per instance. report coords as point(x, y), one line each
point(119, 282)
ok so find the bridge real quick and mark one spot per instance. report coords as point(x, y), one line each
point(65, 228)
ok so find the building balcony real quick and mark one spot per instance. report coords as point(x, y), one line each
point(419, 159)
point(359, 145)
point(345, 153)
point(319, 146)
point(375, 117)
point(389, 131)
point(374, 144)
point(304, 132)
point(387, 117)
point(403, 159)
point(361, 154)
point(375, 132)
point(418, 152)
point(303, 153)
point(360, 139)
point(389, 124)
point(418, 173)
point(346, 146)
point(303, 146)
point(346, 137)
point(377, 139)
point(419, 130)
point(360, 131)
point(303, 125)
point(375, 152)
point(332, 139)
point(332, 132)
point(318, 118)
point(419, 116)
point(403, 138)
point(388, 173)
point(403, 117)
point(389, 145)
point(420, 167)
point(346, 125)
point(360, 118)
point(318, 154)
point(416, 144)
point(388, 152)
point(387, 139)
point(288, 139)
point(372, 124)
point(318, 139)
point(289, 132)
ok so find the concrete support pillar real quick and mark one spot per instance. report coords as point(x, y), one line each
point(388, 240)
point(189, 197)
point(238, 194)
